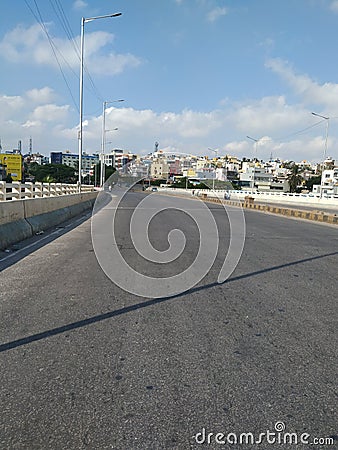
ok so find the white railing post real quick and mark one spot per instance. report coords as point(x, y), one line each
point(2, 191)
point(38, 190)
point(28, 190)
point(16, 189)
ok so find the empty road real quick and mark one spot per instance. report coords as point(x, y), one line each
point(86, 365)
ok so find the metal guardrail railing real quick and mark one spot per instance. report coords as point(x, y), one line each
point(18, 191)
point(330, 200)
point(256, 192)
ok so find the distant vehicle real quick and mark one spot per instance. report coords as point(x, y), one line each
point(154, 189)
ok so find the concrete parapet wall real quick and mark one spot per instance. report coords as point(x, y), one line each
point(20, 219)
point(11, 212)
point(36, 206)
point(285, 211)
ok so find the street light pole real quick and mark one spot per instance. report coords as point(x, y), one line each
point(103, 140)
point(325, 149)
point(103, 143)
point(213, 178)
point(81, 102)
point(256, 143)
point(80, 134)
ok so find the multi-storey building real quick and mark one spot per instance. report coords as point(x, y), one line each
point(139, 169)
point(258, 178)
point(159, 168)
point(119, 159)
point(72, 160)
point(329, 182)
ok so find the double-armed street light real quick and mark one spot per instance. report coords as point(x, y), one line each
point(256, 141)
point(325, 149)
point(80, 134)
point(213, 178)
point(103, 139)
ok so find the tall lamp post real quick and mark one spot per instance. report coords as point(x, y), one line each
point(325, 149)
point(103, 140)
point(83, 21)
point(256, 143)
point(213, 178)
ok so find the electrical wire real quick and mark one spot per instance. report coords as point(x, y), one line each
point(39, 19)
point(296, 133)
point(60, 13)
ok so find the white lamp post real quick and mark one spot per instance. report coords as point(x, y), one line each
point(325, 149)
point(213, 178)
point(103, 140)
point(256, 143)
point(83, 21)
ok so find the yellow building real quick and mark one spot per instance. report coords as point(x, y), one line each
point(12, 163)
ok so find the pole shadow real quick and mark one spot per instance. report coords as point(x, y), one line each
point(141, 305)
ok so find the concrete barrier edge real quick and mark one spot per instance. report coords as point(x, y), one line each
point(16, 231)
point(289, 212)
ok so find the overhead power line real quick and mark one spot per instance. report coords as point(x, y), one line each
point(39, 19)
point(59, 11)
point(299, 132)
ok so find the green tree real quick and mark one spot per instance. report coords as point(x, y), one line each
point(95, 178)
point(311, 181)
point(294, 177)
point(59, 173)
point(49, 179)
point(108, 171)
point(183, 183)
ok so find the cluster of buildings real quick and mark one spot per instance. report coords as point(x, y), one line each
point(272, 175)
point(268, 176)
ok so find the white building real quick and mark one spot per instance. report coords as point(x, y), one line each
point(257, 178)
point(329, 183)
point(159, 168)
point(119, 159)
point(139, 169)
point(72, 160)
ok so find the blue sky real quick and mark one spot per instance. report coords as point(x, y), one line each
point(194, 74)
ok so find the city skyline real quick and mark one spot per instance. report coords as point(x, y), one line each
point(193, 74)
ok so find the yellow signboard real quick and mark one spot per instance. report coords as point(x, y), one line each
point(12, 163)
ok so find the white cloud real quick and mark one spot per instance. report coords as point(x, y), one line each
point(31, 124)
point(216, 13)
point(44, 95)
point(113, 64)
point(79, 4)
point(22, 117)
point(270, 114)
point(30, 45)
point(53, 127)
point(334, 6)
point(50, 113)
point(10, 107)
point(270, 119)
point(310, 92)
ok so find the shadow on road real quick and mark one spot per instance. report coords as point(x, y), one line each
point(24, 248)
point(99, 318)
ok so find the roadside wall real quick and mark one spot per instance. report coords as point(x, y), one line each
point(249, 202)
point(284, 211)
point(20, 219)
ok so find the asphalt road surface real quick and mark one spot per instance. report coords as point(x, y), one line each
point(86, 365)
